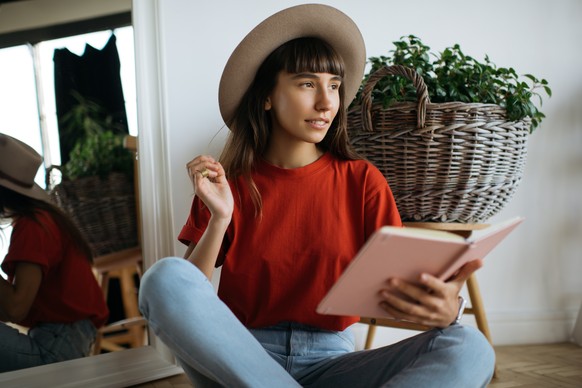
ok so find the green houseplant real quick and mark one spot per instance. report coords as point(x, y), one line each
point(453, 76)
point(97, 187)
point(448, 132)
point(98, 154)
point(99, 151)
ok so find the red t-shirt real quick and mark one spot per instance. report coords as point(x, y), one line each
point(68, 291)
point(315, 219)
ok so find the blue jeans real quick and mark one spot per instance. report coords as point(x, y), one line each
point(44, 344)
point(215, 349)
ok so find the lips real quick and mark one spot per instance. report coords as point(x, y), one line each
point(319, 124)
point(318, 121)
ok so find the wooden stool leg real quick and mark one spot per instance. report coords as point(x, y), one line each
point(370, 336)
point(478, 310)
point(129, 298)
point(103, 280)
point(477, 307)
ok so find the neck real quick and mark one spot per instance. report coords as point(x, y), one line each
point(293, 157)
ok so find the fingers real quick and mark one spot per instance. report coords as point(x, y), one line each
point(199, 164)
point(205, 167)
point(467, 270)
point(403, 307)
point(457, 280)
point(420, 296)
point(205, 173)
point(417, 302)
point(431, 301)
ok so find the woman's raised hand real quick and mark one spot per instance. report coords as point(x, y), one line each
point(210, 185)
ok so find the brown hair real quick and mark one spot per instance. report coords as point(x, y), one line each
point(251, 124)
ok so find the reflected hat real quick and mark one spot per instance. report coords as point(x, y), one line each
point(302, 21)
point(19, 164)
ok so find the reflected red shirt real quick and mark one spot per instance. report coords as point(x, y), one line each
point(68, 291)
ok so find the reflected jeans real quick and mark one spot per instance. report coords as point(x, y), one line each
point(44, 344)
point(215, 349)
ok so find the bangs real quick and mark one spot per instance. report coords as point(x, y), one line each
point(310, 55)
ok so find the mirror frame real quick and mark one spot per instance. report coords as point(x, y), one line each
point(152, 362)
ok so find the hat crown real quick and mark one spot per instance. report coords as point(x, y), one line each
point(19, 162)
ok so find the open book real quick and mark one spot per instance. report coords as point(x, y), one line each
point(405, 253)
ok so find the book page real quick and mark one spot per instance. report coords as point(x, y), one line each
point(493, 228)
point(432, 234)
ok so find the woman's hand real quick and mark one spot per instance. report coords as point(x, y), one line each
point(210, 185)
point(430, 302)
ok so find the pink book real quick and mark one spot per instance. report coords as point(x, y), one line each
point(405, 253)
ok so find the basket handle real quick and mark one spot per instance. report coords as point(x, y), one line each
point(417, 81)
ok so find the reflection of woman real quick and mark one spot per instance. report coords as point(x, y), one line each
point(51, 288)
point(284, 211)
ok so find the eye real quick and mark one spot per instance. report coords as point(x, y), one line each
point(307, 84)
point(334, 86)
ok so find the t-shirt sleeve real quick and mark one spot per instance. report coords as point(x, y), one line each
point(380, 206)
point(32, 242)
point(196, 223)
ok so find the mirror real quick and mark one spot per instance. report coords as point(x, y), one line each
point(144, 364)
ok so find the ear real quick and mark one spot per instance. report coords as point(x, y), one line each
point(268, 105)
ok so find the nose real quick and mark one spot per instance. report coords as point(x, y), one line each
point(324, 100)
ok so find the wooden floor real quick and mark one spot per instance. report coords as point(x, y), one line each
point(556, 365)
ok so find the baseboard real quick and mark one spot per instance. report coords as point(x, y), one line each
point(507, 328)
point(517, 328)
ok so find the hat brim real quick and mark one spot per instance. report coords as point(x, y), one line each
point(310, 20)
point(35, 191)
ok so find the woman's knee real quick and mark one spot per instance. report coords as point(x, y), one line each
point(479, 344)
point(471, 351)
point(160, 271)
point(156, 280)
point(171, 279)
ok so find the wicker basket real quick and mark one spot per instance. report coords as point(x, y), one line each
point(446, 162)
point(103, 209)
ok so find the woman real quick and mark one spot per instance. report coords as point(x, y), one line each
point(51, 289)
point(283, 212)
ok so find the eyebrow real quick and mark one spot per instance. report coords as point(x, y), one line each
point(314, 76)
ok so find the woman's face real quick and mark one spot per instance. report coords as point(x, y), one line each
point(303, 106)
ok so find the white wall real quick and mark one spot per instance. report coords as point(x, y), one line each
point(531, 284)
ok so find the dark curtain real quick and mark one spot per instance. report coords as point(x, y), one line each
point(95, 76)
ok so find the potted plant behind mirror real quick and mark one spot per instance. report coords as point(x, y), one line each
point(448, 132)
point(97, 187)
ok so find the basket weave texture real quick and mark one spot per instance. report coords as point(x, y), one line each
point(445, 162)
point(103, 209)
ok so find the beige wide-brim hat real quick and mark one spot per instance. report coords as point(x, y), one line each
point(19, 164)
point(309, 20)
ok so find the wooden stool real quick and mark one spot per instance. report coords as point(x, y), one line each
point(123, 265)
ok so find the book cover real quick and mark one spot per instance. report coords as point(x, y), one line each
point(405, 253)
